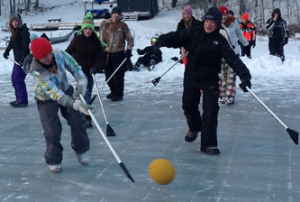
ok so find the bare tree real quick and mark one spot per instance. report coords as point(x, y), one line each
point(173, 4)
point(12, 4)
point(28, 5)
point(242, 7)
point(297, 9)
point(37, 4)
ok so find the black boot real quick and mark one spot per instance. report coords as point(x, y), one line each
point(136, 67)
point(116, 98)
point(191, 136)
point(109, 96)
point(211, 150)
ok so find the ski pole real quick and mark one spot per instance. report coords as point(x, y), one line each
point(109, 130)
point(293, 134)
point(107, 142)
point(116, 70)
point(155, 81)
point(15, 61)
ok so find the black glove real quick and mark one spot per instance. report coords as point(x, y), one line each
point(253, 44)
point(285, 41)
point(138, 51)
point(128, 54)
point(93, 70)
point(5, 55)
point(245, 82)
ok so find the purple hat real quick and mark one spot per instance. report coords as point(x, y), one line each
point(187, 9)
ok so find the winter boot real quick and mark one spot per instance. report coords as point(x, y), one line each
point(211, 150)
point(230, 102)
point(221, 101)
point(191, 136)
point(151, 65)
point(83, 158)
point(136, 67)
point(109, 96)
point(55, 168)
point(116, 98)
point(18, 105)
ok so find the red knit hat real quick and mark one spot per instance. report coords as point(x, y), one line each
point(40, 47)
point(224, 10)
point(245, 16)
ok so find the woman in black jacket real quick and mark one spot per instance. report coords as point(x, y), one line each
point(19, 42)
point(206, 47)
point(187, 21)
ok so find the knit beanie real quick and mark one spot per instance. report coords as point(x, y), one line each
point(116, 9)
point(214, 14)
point(187, 10)
point(245, 17)
point(88, 22)
point(231, 12)
point(277, 10)
point(224, 10)
point(40, 47)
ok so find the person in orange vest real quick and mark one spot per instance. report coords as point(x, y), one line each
point(249, 33)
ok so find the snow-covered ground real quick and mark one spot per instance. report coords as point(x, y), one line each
point(265, 69)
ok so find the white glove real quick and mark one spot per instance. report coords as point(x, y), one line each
point(83, 108)
point(80, 88)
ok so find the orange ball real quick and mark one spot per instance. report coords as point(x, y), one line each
point(162, 171)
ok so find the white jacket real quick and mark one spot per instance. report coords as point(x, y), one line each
point(235, 34)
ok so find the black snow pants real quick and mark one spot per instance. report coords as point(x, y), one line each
point(116, 83)
point(276, 46)
point(208, 122)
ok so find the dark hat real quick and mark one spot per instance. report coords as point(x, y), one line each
point(116, 9)
point(231, 12)
point(107, 15)
point(15, 16)
point(277, 10)
point(214, 14)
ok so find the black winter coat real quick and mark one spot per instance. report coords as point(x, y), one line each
point(205, 53)
point(88, 52)
point(194, 23)
point(150, 53)
point(20, 45)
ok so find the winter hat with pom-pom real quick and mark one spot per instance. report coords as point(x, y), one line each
point(245, 17)
point(224, 10)
point(88, 22)
point(40, 47)
point(187, 10)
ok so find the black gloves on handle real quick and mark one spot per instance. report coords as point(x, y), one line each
point(128, 54)
point(244, 83)
point(5, 55)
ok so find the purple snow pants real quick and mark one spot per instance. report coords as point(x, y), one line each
point(18, 82)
